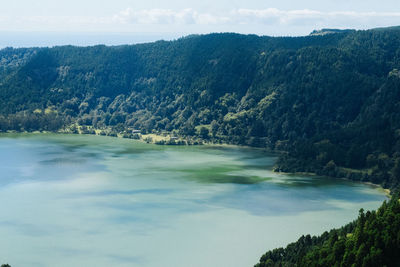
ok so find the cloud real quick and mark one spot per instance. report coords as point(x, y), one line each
point(167, 16)
point(156, 16)
point(273, 16)
point(269, 16)
point(189, 20)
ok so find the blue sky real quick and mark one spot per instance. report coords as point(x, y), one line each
point(174, 18)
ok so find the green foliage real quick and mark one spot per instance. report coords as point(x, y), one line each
point(330, 101)
point(204, 132)
point(372, 240)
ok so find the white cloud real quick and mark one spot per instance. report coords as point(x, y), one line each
point(267, 17)
point(307, 16)
point(168, 16)
point(264, 21)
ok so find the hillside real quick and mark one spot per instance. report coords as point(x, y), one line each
point(329, 102)
point(371, 240)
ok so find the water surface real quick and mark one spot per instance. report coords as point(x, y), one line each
point(68, 200)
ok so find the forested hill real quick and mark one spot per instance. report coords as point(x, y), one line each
point(330, 101)
point(372, 240)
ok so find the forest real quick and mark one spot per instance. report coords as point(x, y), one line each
point(329, 102)
point(371, 240)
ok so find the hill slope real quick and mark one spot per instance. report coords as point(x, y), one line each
point(372, 240)
point(330, 102)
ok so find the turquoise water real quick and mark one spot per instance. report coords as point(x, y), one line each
point(68, 200)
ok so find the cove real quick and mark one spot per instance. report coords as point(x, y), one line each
point(74, 200)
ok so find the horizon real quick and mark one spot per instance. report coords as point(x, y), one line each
point(83, 39)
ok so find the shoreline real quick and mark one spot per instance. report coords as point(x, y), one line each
point(143, 137)
point(386, 191)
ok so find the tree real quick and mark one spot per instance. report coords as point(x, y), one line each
point(204, 132)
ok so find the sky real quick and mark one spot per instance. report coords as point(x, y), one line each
point(86, 22)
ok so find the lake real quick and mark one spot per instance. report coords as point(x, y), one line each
point(74, 200)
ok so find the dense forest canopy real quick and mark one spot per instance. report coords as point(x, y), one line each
point(330, 101)
point(371, 240)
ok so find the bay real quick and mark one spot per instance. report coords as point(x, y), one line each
point(75, 200)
